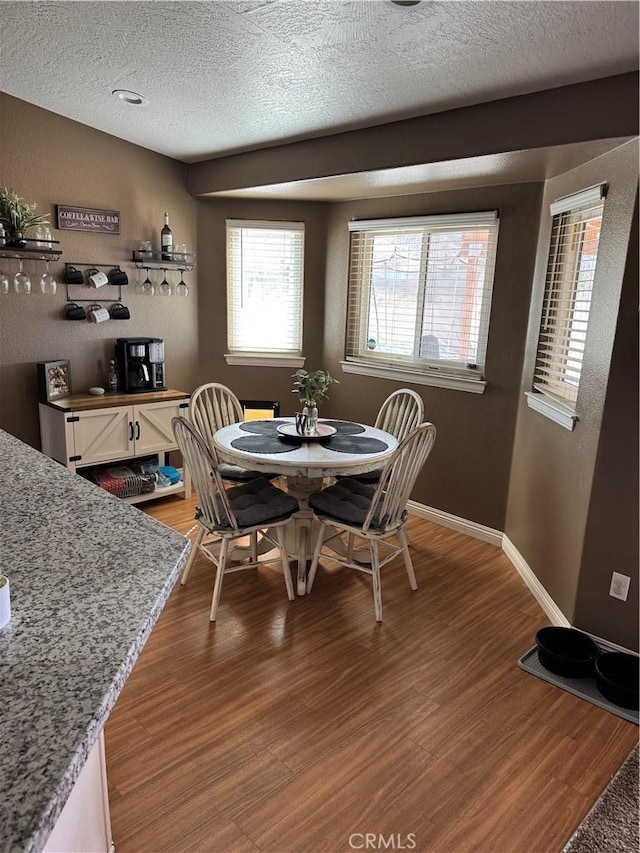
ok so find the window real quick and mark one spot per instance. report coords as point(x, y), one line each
point(419, 297)
point(265, 271)
point(573, 252)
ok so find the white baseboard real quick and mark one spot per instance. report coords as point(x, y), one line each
point(454, 522)
point(501, 540)
point(608, 646)
point(540, 594)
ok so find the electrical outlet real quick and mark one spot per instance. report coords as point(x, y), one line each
point(619, 586)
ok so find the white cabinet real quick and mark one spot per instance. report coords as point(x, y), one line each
point(81, 431)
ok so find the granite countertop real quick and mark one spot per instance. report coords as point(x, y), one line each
point(89, 577)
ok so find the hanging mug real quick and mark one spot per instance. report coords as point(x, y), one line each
point(72, 275)
point(75, 312)
point(97, 278)
point(118, 277)
point(97, 314)
point(119, 311)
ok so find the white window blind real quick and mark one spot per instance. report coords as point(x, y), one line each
point(265, 274)
point(420, 291)
point(573, 252)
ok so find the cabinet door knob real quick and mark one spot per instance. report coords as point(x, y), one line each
point(137, 430)
point(130, 430)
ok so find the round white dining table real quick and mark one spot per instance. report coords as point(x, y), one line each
point(305, 462)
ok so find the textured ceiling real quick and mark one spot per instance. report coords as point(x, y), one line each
point(224, 77)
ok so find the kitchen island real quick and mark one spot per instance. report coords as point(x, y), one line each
point(89, 576)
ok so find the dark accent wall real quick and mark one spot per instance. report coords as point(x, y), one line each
point(552, 475)
point(52, 160)
point(495, 461)
point(259, 383)
point(611, 538)
point(468, 471)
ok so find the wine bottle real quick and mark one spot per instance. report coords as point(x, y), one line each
point(166, 240)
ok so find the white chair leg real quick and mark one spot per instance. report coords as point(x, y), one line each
point(316, 558)
point(194, 550)
point(350, 541)
point(217, 587)
point(375, 577)
point(286, 571)
point(402, 536)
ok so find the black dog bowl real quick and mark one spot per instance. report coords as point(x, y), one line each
point(567, 652)
point(617, 676)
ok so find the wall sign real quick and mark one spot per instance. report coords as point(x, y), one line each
point(88, 219)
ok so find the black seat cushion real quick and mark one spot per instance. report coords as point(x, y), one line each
point(347, 500)
point(258, 502)
point(372, 477)
point(236, 474)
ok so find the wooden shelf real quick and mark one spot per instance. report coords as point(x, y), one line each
point(153, 261)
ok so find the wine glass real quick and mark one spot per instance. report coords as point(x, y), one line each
point(4, 283)
point(165, 288)
point(147, 288)
point(181, 286)
point(21, 281)
point(48, 284)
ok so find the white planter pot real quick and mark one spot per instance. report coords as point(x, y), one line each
point(5, 604)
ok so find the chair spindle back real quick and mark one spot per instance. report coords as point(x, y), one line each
point(400, 413)
point(202, 463)
point(398, 479)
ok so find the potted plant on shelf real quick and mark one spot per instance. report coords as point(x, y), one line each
point(311, 387)
point(17, 215)
point(5, 602)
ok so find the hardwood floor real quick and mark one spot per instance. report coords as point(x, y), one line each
point(299, 727)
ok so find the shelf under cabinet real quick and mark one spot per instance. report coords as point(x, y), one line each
point(158, 492)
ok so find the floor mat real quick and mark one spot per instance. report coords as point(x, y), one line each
point(585, 688)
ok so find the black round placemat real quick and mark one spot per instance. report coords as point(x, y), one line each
point(356, 444)
point(269, 427)
point(344, 427)
point(266, 444)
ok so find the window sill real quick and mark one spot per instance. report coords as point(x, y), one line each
point(556, 412)
point(264, 359)
point(417, 377)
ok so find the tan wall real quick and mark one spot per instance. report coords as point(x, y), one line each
point(260, 383)
point(468, 471)
point(552, 471)
point(611, 537)
point(52, 160)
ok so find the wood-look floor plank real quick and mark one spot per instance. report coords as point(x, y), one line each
point(293, 726)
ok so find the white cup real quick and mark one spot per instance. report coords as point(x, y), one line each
point(98, 278)
point(98, 315)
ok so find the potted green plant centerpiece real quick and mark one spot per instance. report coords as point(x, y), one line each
point(5, 603)
point(311, 387)
point(16, 216)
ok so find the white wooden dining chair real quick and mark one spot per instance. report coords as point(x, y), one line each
point(373, 513)
point(232, 513)
point(400, 413)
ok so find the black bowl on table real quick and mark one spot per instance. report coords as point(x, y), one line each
point(617, 675)
point(567, 652)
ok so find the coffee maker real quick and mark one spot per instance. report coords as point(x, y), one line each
point(140, 364)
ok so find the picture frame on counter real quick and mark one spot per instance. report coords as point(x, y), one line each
point(93, 219)
point(54, 380)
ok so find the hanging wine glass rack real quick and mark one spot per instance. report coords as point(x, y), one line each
point(153, 260)
point(31, 251)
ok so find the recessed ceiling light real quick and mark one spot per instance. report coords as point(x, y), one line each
point(132, 98)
